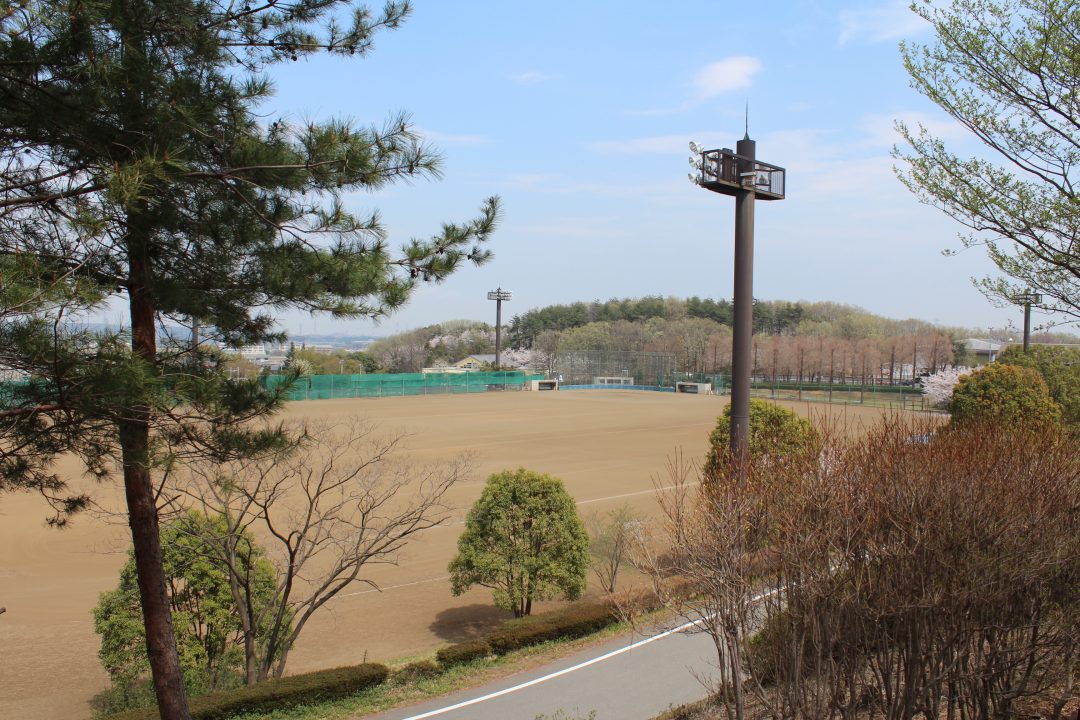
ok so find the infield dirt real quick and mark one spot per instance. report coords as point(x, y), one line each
point(607, 446)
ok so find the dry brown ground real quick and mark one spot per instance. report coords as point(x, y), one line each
point(608, 446)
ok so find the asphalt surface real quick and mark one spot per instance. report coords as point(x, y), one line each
point(636, 684)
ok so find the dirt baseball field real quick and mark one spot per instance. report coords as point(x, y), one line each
point(607, 446)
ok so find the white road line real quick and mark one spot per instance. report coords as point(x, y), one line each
point(551, 676)
point(565, 671)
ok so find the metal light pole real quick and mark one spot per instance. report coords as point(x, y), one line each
point(498, 296)
point(1027, 299)
point(740, 174)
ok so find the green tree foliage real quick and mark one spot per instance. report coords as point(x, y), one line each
point(206, 621)
point(1059, 367)
point(1007, 394)
point(776, 433)
point(524, 540)
point(135, 154)
point(1006, 71)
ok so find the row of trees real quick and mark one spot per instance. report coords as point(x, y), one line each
point(704, 346)
point(430, 346)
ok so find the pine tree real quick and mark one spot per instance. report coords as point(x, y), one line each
point(133, 169)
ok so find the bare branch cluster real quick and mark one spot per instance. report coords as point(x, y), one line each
point(887, 578)
point(328, 512)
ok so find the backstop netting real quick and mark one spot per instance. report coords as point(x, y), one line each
point(327, 387)
point(647, 369)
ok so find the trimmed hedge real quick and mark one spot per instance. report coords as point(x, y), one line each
point(573, 622)
point(463, 652)
point(418, 670)
point(292, 690)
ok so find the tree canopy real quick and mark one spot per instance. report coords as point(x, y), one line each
point(1006, 71)
point(1008, 394)
point(137, 167)
point(524, 540)
point(205, 614)
point(776, 433)
point(1059, 367)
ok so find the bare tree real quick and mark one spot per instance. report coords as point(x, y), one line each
point(338, 505)
point(612, 535)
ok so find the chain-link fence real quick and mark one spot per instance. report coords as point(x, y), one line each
point(614, 368)
point(901, 397)
point(326, 387)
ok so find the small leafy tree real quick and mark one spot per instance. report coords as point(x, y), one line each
point(524, 540)
point(206, 620)
point(775, 433)
point(1004, 393)
point(1059, 367)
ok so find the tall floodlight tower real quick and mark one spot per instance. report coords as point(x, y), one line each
point(1027, 299)
point(740, 174)
point(498, 296)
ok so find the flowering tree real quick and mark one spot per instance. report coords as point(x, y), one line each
point(938, 387)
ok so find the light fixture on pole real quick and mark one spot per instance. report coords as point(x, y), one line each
point(498, 296)
point(1027, 299)
point(741, 175)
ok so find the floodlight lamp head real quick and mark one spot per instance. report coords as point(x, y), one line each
point(695, 148)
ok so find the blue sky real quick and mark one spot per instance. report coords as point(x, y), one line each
point(579, 115)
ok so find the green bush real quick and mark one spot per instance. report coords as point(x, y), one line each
point(1059, 367)
point(776, 434)
point(1007, 394)
point(292, 690)
point(417, 671)
point(463, 652)
point(573, 622)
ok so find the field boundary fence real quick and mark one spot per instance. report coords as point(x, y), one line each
point(329, 387)
point(643, 369)
point(902, 397)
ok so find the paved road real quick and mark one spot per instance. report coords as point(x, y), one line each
point(629, 684)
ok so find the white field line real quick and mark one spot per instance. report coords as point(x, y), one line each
point(462, 522)
point(392, 587)
point(565, 671)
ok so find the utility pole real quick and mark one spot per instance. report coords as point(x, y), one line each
point(740, 174)
point(1027, 299)
point(498, 296)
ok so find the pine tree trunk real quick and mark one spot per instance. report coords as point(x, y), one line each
point(134, 436)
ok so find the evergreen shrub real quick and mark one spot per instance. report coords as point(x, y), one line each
point(292, 690)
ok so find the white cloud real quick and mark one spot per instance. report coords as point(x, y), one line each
point(880, 130)
point(449, 139)
point(532, 77)
point(733, 73)
point(891, 21)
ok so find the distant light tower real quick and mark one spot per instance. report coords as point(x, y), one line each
point(1027, 299)
point(498, 296)
point(740, 174)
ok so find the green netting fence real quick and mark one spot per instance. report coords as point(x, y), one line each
point(327, 387)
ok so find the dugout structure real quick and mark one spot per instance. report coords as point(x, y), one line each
point(328, 387)
point(648, 369)
point(694, 388)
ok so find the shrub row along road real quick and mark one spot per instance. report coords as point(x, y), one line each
point(629, 678)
